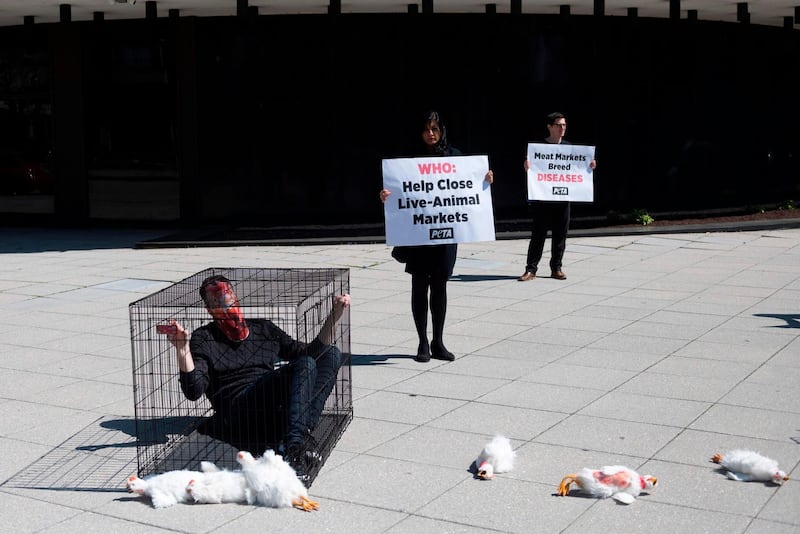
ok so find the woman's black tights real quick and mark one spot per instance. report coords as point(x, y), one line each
point(420, 284)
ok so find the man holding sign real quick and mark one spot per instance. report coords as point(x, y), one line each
point(556, 175)
point(436, 201)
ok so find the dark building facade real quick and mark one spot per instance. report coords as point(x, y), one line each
point(272, 120)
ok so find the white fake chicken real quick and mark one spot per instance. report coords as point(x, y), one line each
point(217, 485)
point(272, 482)
point(164, 489)
point(618, 482)
point(496, 457)
point(745, 465)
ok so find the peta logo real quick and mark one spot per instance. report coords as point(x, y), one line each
point(561, 191)
point(441, 233)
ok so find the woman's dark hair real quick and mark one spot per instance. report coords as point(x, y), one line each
point(442, 146)
point(211, 280)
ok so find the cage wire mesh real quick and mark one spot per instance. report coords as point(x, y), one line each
point(173, 432)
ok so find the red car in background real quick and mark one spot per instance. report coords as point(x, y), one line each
point(24, 174)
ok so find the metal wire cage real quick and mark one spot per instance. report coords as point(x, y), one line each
point(173, 432)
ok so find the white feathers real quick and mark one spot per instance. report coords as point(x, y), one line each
point(215, 485)
point(164, 489)
point(746, 465)
point(266, 481)
point(616, 481)
point(496, 457)
point(272, 482)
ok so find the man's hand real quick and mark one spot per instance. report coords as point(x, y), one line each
point(180, 340)
point(326, 334)
point(181, 336)
point(341, 301)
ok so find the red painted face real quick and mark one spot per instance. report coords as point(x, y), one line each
point(224, 307)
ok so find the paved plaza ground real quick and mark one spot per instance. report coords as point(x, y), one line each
point(657, 351)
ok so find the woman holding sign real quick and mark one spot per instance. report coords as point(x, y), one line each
point(430, 266)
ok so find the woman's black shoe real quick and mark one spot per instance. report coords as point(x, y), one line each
point(441, 353)
point(423, 353)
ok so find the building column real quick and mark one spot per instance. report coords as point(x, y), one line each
point(742, 15)
point(186, 114)
point(69, 125)
point(674, 9)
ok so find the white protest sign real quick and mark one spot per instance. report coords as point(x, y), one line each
point(437, 200)
point(560, 172)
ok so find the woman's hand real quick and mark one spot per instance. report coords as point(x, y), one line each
point(592, 164)
point(527, 165)
point(489, 179)
point(385, 194)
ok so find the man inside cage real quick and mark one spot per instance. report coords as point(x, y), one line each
point(234, 361)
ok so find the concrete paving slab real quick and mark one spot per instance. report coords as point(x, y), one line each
point(180, 517)
point(611, 312)
point(373, 376)
point(677, 387)
point(507, 505)
point(416, 524)
point(559, 336)
point(490, 419)
point(704, 368)
point(646, 408)
point(787, 356)
point(728, 352)
point(407, 493)
point(25, 385)
point(436, 446)
point(23, 515)
point(771, 373)
point(452, 386)
point(568, 375)
point(540, 353)
point(620, 341)
point(18, 453)
point(751, 422)
point(608, 516)
point(404, 408)
point(781, 396)
point(760, 526)
point(365, 434)
point(782, 507)
point(664, 330)
point(610, 358)
point(609, 435)
point(564, 399)
point(90, 523)
point(334, 516)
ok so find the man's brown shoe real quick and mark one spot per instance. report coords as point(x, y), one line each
point(558, 275)
point(527, 275)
